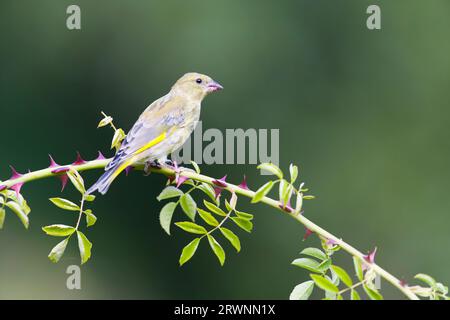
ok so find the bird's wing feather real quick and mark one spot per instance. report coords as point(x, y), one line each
point(153, 126)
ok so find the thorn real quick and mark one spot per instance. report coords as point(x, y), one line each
point(15, 174)
point(100, 156)
point(307, 234)
point(403, 283)
point(221, 182)
point(79, 160)
point(243, 184)
point(52, 162)
point(181, 180)
point(17, 188)
point(3, 187)
point(63, 179)
point(217, 192)
point(331, 242)
point(370, 257)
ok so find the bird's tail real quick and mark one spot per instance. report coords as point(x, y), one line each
point(103, 183)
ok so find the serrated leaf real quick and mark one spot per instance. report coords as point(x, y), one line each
point(77, 181)
point(169, 192)
point(65, 204)
point(208, 190)
point(302, 291)
point(261, 192)
point(354, 295)
point(191, 227)
point(308, 264)
point(85, 247)
point(196, 167)
point(358, 268)
point(293, 171)
point(324, 283)
point(233, 238)
point(372, 293)
point(426, 279)
point(343, 275)
point(208, 217)
point(188, 205)
point(314, 252)
point(58, 251)
point(58, 230)
point(272, 168)
point(189, 251)
point(15, 207)
point(244, 215)
point(91, 219)
point(245, 224)
point(105, 121)
point(217, 249)
point(119, 135)
point(2, 217)
point(214, 209)
point(165, 216)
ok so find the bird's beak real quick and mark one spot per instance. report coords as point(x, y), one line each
point(214, 86)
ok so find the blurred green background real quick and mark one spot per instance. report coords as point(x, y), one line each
point(364, 113)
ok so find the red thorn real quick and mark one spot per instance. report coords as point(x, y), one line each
point(100, 156)
point(3, 187)
point(15, 174)
point(128, 170)
point(79, 160)
point(370, 257)
point(17, 188)
point(221, 182)
point(217, 192)
point(63, 179)
point(307, 234)
point(243, 184)
point(52, 162)
point(403, 283)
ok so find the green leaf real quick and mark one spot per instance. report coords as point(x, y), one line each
point(89, 197)
point(309, 197)
point(196, 167)
point(308, 264)
point(324, 283)
point(191, 227)
point(213, 208)
point(354, 295)
point(228, 206)
point(189, 251)
point(343, 275)
point(208, 190)
point(244, 215)
point(65, 204)
point(76, 180)
point(299, 202)
point(324, 265)
point(233, 201)
point(426, 279)
point(372, 293)
point(245, 224)
point(188, 205)
point(302, 291)
point(2, 217)
point(105, 121)
point(293, 171)
point(208, 217)
point(261, 192)
point(314, 252)
point(91, 219)
point(441, 288)
point(169, 192)
point(285, 191)
point(85, 247)
point(272, 169)
point(233, 238)
point(58, 230)
point(217, 249)
point(358, 268)
point(15, 207)
point(165, 216)
point(119, 135)
point(58, 251)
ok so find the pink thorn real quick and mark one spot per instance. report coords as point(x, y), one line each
point(243, 184)
point(100, 156)
point(217, 192)
point(15, 174)
point(61, 170)
point(17, 188)
point(331, 242)
point(79, 160)
point(370, 258)
point(221, 182)
point(128, 170)
point(181, 180)
point(307, 234)
point(3, 187)
point(52, 162)
point(63, 179)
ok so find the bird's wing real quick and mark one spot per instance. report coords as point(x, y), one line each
point(153, 126)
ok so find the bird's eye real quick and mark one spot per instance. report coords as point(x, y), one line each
point(198, 80)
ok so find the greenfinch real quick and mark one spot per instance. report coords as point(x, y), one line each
point(162, 128)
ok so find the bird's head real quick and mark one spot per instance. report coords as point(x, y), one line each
point(195, 85)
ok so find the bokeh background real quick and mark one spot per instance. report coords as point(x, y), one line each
point(364, 113)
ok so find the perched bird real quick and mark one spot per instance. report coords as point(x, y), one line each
point(162, 128)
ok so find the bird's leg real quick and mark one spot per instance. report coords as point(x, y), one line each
point(151, 164)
